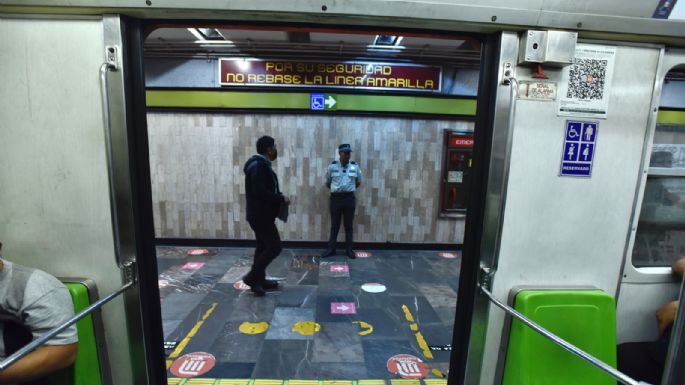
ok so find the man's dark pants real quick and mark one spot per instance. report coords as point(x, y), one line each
point(342, 205)
point(268, 248)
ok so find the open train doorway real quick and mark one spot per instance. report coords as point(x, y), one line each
point(404, 102)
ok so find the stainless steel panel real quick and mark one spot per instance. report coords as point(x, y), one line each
point(495, 199)
point(55, 211)
point(548, 47)
point(627, 17)
point(570, 231)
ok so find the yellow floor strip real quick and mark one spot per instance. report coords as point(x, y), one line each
point(267, 382)
point(337, 382)
point(201, 381)
point(405, 382)
point(435, 381)
point(233, 381)
point(191, 333)
point(303, 382)
point(371, 382)
point(175, 381)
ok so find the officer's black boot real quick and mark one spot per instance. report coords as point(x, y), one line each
point(350, 252)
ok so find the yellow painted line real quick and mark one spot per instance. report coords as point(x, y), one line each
point(168, 363)
point(267, 382)
point(201, 381)
point(175, 381)
point(303, 382)
point(407, 313)
point(233, 381)
point(405, 382)
point(337, 382)
point(435, 381)
point(423, 345)
point(192, 332)
point(419, 337)
point(371, 382)
point(436, 373)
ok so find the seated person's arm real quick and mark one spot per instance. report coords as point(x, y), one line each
point(666, 315)
point(678, 268)
point(39, 363)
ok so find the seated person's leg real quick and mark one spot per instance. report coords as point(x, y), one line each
point(635, 360)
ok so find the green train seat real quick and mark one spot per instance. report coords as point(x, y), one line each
point(86, 369)
point(584, 317)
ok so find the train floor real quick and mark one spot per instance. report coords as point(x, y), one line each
point(387, 315)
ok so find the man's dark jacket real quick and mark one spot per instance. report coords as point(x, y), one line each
point(264, 198)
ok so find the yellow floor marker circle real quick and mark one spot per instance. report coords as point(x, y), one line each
point(306, 328)
point(253, 327)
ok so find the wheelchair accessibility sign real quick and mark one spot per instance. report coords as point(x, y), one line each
point(579, 148)
point(321, 102)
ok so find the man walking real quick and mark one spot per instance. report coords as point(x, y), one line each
point(264, 201)
point(343, 177)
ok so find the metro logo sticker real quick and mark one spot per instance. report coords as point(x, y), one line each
point(193, 365)
point(407, 366)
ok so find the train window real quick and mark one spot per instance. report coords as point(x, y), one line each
point(456, 175)
point(660, 237)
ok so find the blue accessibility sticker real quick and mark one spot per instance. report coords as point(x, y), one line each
point(579, 148)
point(316, 102)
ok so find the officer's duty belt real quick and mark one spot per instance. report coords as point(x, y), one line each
point(342, 194)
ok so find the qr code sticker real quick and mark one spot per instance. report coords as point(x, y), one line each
point(586, 79)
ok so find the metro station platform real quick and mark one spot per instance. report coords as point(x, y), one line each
point(386, 315)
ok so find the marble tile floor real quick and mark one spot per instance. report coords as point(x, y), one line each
point(324, 322)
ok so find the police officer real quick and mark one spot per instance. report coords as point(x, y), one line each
point(342, 178)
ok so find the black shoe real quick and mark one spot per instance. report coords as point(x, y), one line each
point(328, 253)
point(270, 284)
point(350, 254)
point(255, 287)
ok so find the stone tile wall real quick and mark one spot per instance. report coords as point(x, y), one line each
point(196, 162)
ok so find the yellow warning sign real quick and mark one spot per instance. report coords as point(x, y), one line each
point(253, 327)
point(306, 328)
point(367, 328)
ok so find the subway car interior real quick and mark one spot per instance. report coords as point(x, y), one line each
point(512, 177)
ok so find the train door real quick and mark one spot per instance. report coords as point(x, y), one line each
point(55, 172)
point(216, 124)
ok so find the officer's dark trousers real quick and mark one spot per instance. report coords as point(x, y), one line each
point(342, 205)
point(268, 248)
point(15, 336)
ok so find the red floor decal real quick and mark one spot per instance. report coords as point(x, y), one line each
point(193, 265)
point(407, 366)
point(447, 255)
point(240, 285)
point(198, 251)
point(343, 308)
point(363, 254)
point(193, 365)
point(340, 269)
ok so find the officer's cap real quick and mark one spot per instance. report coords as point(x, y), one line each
point(344, 148)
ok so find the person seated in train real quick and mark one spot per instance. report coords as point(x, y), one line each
point(644, 361)
point(33, 302)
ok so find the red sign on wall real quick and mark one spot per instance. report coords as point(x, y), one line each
point(461, 141)
point(349, 74)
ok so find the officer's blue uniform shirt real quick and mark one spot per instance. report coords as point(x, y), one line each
point(343, 178)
